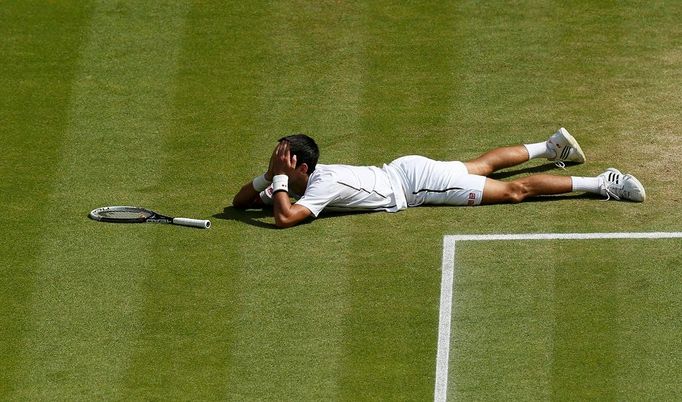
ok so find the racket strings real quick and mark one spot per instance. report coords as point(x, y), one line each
point(124, 215)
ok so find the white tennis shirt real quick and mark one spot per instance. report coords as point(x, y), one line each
point(346, 188)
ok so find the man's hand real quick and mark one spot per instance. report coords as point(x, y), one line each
point(281, 161)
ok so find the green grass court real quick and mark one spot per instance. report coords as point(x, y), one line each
point(519, 330)
point(175, 105)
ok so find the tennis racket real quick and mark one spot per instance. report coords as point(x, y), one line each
point(142, 215)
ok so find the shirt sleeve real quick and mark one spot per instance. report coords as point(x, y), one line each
point(322, 189)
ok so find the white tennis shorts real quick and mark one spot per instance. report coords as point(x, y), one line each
point(430, 182)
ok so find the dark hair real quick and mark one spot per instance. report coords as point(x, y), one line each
point(305, 149)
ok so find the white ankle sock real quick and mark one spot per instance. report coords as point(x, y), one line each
point(589, 184)
point(537, 150)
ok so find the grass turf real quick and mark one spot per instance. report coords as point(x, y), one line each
point(579, 328)
point(174, 106)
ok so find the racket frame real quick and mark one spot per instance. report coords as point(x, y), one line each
point(146, 216)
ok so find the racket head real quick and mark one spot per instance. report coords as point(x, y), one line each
point(121, 214)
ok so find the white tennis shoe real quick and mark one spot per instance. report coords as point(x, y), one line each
point(621, 186)
point(564, 148)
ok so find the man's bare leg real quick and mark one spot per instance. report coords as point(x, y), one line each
point(560, 147)
point(497, 159)
point(498, 192)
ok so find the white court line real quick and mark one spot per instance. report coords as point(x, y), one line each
point(447, 280)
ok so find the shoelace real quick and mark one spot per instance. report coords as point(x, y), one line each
point(609, 193)
point(559, 162)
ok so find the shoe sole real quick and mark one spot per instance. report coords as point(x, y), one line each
point(574, 144)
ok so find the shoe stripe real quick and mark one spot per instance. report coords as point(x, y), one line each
point(614, 177)
point(565, 152)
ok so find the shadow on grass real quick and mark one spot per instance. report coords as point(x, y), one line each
point(254, 217)
point(529, 170)
point(540, 198)
point(249, 216)
point(561, 197)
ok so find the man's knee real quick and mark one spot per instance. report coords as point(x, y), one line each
point(516, 192)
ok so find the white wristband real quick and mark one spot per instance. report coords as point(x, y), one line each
point(280, 183)
point(260, 183)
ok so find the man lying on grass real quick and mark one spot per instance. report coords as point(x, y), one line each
point(411, 181)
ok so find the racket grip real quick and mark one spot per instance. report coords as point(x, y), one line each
point(196, 223)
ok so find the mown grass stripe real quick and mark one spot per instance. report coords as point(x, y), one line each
point(585, 61)
point(187, 337)
point(647, 318)
point(404, 109)
point(84, 310)
point(504, 92)
point(523, 71)
point(294, 284)
point(40, 49)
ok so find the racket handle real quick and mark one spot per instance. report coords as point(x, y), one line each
point(196, 223)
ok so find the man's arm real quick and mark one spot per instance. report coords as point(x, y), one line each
point(247, 197)
point(288, 214)
point(285, 213)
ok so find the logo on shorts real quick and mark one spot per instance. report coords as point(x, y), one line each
point(472, 199)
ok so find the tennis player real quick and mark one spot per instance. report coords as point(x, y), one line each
point(411, 181)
